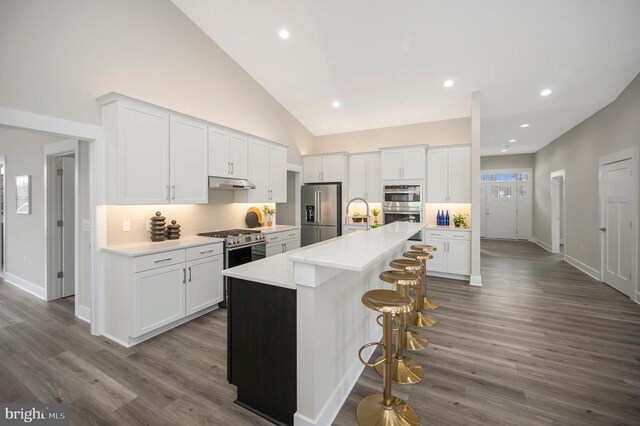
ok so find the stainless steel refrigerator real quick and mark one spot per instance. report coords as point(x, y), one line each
point(321, 212)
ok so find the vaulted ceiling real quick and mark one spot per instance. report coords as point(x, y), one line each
point(386, 62)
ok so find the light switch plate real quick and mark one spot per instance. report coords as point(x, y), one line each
point(86, 225)
point(126, 226)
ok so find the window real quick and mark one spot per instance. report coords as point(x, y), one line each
point(505, 177)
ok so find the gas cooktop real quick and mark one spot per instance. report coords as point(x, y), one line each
point(237, 237)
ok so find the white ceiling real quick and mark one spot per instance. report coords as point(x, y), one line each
point(386, 61)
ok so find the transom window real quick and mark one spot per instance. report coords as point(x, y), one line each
point(505, 177)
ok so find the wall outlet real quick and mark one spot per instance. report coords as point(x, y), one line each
point(126, 226)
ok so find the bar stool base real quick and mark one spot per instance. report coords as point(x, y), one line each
point(420, 319)
point(428, 304)
point(372, 412)
point(404, 371)
point(413, 342)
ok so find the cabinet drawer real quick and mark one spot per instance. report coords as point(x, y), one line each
point(194, 253)
point(294, 233)
point(273, 237)
point(158, 260)
point(447, 234)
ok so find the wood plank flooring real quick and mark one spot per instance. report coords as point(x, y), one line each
point(539, 344)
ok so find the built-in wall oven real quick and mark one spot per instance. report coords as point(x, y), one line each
point(403, 203)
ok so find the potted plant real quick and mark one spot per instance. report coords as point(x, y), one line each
point(460, 220)
point(269, 212)
point(375, 213)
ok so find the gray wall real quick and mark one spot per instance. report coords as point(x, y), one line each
point(517, 161)
point(612, 129)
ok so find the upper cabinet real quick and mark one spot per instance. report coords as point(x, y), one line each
point(267, 170)
point(227, 153)
point(324, 168)
point(365, 177)
point(156, 156)
point(404, 163)
point(449, 175)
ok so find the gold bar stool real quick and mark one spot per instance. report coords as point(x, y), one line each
point(420, 318)
point(429, 305)
point(385, 409)
point(403, 369)
point(411, 340)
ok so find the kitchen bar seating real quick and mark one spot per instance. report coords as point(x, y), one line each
point(385, 409)
point(426, 248)
point(420, 318)
point(411, 340)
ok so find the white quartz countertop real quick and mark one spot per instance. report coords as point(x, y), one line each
point(272, 229)
point(273, 270)
point(150, 247)
point(447, 228)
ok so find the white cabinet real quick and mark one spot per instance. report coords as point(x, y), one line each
point(282, 242)
point(449, 175)
point(156, 157)
point(453, 254)
point(159, 298)
point(324, 168)
point(365, 177)
point(200, 294)
point(227, 153)
point(267, 171)
point(408, 163)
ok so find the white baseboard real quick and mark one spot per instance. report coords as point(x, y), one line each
point(29, 287)
point(581, 266)
point(637, 298)
point(339, 395)
point(542, 244)
point(84, 313)
point(475, 280)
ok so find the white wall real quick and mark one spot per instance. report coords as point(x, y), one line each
point(516, 161)
point(59, 56)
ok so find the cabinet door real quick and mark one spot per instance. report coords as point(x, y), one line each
point(204, 283)
point(459, 257)
point(238, 147)
point(414, 163)
point(438, 263)
point(357, 176)
point(374, 179)
point(219, 164)
point(159, 298)
point(188, 165)
point(437, 176)
point(460, 175)
point(311, 169)
point(332, 168)
point(258, 173)
point(274, 248)
point(143, 155)
point(391, 163)
point(292, 244)
point(278, 173)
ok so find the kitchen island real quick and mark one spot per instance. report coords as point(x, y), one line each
point(296, 323)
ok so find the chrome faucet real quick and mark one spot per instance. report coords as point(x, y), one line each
point(346, 220)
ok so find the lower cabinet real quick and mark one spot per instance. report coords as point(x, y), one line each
point(453, 254)
point(282, 242)
point(147, 294)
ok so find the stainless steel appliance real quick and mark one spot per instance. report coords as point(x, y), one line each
point(229, 183)
point(240, 246)
point(321, 212)
point(403, 203)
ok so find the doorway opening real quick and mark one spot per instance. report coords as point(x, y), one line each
point(558, 220)
point(505, 204)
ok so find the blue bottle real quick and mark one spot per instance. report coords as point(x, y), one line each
point(439, 219)
point(446, 219)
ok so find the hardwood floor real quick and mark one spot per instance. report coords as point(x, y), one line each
point(539, 344)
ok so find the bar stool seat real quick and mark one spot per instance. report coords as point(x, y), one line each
point(424, 247)
point(388, 301)
point(410, 340)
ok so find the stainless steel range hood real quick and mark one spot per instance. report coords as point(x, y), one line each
point(229, 183)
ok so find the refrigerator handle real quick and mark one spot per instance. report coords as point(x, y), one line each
point(319, 208)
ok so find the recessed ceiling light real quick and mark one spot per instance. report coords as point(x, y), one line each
point(335, 104)
point(513, 140)
point(524, 125)
point(448, 83)
point(284, 34)
point(503, 150)
point(546, 92)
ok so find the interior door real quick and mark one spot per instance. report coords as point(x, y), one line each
point(617, 220)
point(67, 164)
point(188, 166)
point(524, 210)
point(501, 210)
point(483, 210)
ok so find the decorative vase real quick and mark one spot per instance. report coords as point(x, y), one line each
point(269, 221)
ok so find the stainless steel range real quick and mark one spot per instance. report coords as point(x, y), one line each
point(240, 246)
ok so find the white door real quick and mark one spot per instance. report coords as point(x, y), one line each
point(438, 263)
point(483, 210)
point(459, 170)
point(258, 159)
point(391, 164)
point(238, 147)
point(357, 176)
point(501, 210)
point(159, 298)
point(459, 257)
point(311, 169)
point(67, 215)
point(188, 166)
point(332, 168)
point(219, 164)
point(524, 210)
point(278, 173)
point(414, 163)
point(374, 179)
point(204, 283)
point(617, 217)
point(437, 176)
point(556, 195)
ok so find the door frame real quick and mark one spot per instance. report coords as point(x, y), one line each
point(626, 154)
point(3, 163)
point(555, 206)
point(51, 152)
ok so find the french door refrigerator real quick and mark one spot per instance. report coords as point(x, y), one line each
point(321, 212)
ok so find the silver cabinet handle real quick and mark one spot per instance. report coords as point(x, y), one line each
point(173, 189)
point(319, 208)
point(162, 260)
point(206, 251)
point(189, 273)
point(285, 247)
point(232, 168)
point(603, 229)
point(184, 275)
